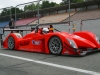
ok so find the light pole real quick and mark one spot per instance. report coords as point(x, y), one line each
point(38, 11)
point(11, 12)
point(69, 15)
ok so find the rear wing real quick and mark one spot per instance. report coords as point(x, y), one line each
point(2, 30)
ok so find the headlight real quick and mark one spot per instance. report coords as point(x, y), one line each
point(72, 43)
point(97, 39)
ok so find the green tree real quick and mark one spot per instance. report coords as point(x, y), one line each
point(25, 8)
point(4, 12)
point(7, 11)
point(47, 4)
point(66, 2)
point(72, 1)
point(57, 5)
point(30, 7)
point(75, 1)
point(52, 4)
point(17, 10)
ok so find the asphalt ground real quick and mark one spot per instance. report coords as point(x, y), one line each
point(14, 62)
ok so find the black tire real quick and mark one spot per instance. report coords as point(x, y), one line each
point(11, 42)
point(55, 45)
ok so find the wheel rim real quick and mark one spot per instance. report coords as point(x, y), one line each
point(55, 45)
point(11, 43)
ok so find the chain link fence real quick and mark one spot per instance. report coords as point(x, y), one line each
point(5, 12)
point(58, 26)
point(86, 25)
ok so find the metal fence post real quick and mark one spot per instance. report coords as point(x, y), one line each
point(69, 16)
point(81, 25)
point(90, 25)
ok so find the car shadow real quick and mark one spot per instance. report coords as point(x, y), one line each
point(88, 54)
point(75, 56)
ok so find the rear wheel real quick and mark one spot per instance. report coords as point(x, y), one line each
point(11, 42)
point(55, 45)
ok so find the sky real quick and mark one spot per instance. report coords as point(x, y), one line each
point(8, 3)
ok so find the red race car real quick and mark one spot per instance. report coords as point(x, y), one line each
point(52, 41)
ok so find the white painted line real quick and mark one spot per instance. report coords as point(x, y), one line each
point(53, 65)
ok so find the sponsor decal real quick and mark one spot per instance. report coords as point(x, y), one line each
point(36, 42)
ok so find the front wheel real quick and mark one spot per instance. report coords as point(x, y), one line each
point(55, 45)
point(11, 42)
